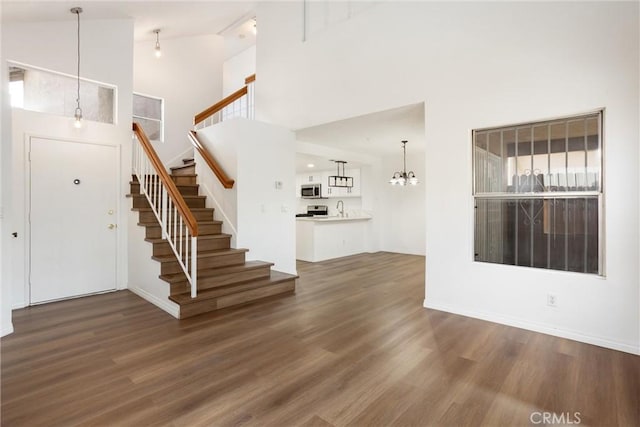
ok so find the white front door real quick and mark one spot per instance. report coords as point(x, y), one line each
point(73, 219)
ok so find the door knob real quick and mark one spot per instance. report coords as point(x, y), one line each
point(111, 226)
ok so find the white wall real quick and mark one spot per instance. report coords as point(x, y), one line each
point(481, 65)
point(236, 69)
point(6, 326)
point(107, 56)
point(188, 76)
point(143, 279)
point(265, 216)
point(224, 201)
point(401, 210)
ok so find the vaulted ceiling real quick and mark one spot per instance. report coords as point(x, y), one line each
point(175, 18)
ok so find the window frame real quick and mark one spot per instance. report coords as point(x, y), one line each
point(546, 195)
point(112, 87)
point(161, 120)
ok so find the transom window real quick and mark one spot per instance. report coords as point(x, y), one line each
point(538, 194)
point(51, 92)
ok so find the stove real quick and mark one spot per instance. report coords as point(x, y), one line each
point(315, 210)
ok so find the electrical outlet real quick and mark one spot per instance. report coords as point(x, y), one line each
point(552, 300)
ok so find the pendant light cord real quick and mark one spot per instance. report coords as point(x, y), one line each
point(404, 155)
point(78, 91)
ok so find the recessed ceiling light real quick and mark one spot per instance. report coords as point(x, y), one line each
point(311, 165)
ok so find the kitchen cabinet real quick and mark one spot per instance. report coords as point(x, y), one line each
point(326, 190)
point(307, 178)
point(330, 192)
point(311, 178)
point(355, 190)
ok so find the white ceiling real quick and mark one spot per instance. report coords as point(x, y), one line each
point(378, 134)
point(174, 18)
point(303, 161)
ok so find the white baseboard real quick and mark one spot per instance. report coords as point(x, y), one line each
point(171, 308)
point(536, 327)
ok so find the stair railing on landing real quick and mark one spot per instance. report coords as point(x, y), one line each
point(238, 104)
point(179, 226)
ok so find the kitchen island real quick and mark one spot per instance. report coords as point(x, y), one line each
point(322, 238)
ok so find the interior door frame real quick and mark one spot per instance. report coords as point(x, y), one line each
point(27, 201)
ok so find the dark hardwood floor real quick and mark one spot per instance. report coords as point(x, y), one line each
point(353, 346)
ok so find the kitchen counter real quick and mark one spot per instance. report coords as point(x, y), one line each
point(322, 238)
point(333, 218)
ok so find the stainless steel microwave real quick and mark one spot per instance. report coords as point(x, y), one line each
point(311, 191)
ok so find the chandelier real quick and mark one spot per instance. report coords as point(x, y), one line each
point(404, 177)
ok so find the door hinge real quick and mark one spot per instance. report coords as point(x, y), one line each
point(29, 155)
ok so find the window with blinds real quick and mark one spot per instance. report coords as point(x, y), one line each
point(538, 194)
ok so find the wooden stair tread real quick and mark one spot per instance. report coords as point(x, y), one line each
point(203, 237)
point(155, 223)
point(177, 185)
point(226, 278)
point(184, 166)
point(188, 196)
point(275, 278)
point(248, 265)
point(207, 254)
point(192, 209)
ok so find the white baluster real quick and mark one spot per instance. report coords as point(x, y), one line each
point(164, 217)
point(194, 267)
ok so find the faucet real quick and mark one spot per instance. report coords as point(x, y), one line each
point(340, 207)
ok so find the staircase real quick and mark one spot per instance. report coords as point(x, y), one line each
point(225, 278)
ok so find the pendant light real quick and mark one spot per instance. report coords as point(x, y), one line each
point(157, 50)
point(404, 177)
point(78, 113)
point(340, 179)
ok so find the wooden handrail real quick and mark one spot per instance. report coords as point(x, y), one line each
point(211, 162)
point(219, 105)
point(251, 78)
point(172, 190)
